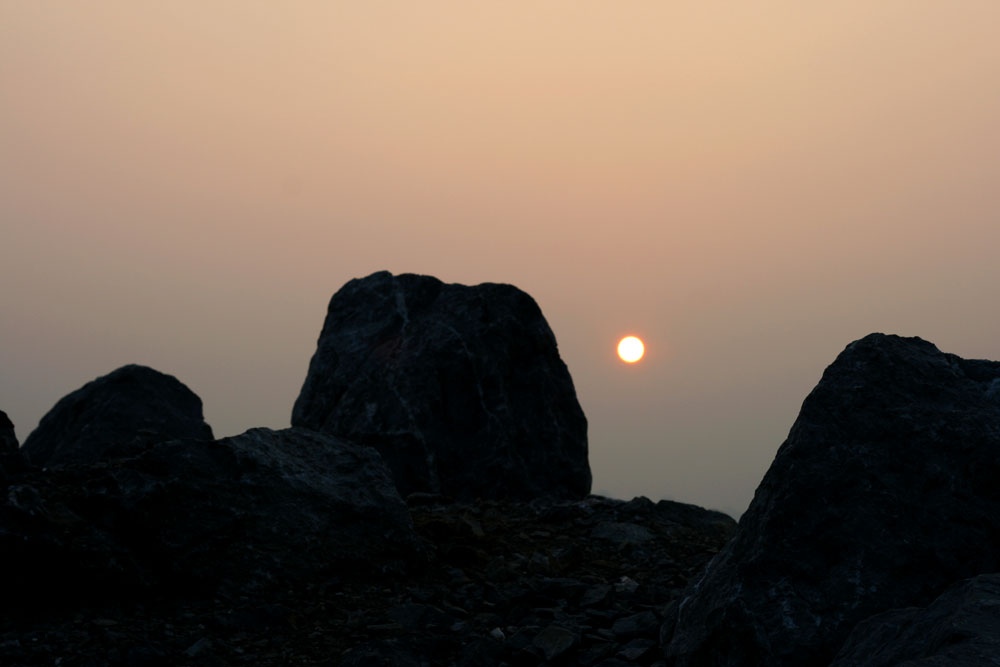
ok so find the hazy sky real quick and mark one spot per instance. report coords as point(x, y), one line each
point(748, 186)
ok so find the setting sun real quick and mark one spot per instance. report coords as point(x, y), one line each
point(631, 349)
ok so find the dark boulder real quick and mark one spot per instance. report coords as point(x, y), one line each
point(259, 511)
point(118, 414)
point(884, 493)
point(460, 388)
point(959, 629)
point(8, 440)
point(11, 459)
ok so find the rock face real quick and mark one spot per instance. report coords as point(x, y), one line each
point(8, 441)
point(258, 511)
point(883, 494)
point(460, 388)
point(10, 457)
point(120, 413)
point(959, 629)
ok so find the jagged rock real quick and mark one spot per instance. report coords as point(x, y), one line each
point(120, 413)
point(554, 641)
point(883, 494)
point(959, 629)
point(8, 440)
point(11, 460)
point(460, 388)
point(252, 512)
point(643, 624)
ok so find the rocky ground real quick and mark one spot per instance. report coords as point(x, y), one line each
point(516, 583)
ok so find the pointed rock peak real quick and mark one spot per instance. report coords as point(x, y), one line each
point(8, 440)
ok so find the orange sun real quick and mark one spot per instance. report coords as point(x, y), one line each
point(631, 349)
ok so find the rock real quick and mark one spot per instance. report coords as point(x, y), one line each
point(420, 617)
point(643, 624)
point(11, 459)
point(312, 612)
point(8, 440)
point(959, 629)
point(460, 388)
point(554, 641)
point(621, 534)
point(200, 647)
point(121, 413)
point(637, 649)
point(254, 512)
point(883, 494)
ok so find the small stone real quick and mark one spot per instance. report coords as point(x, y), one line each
point(596, 596)
point(554, 641)
point(199, 647)
point(626, 585)
point(497, 634)
point(621, 534)
point(643, 624)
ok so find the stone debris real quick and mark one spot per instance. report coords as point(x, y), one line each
point(475, 601)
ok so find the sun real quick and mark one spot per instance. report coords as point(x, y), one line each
point(631, 349)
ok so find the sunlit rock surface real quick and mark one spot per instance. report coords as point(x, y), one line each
point(884, 493)
point(120, 413)
point(460, 388)
point(959, 629)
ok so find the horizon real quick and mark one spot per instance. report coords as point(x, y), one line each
point(185, 187)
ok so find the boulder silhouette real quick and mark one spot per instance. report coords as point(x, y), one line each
point(10, 457)
point(460, 388)
point(959, 629)
point(258, 512)
point(8, 440)
point(884, 493)
point(118, 414)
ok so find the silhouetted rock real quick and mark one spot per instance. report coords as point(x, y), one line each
point(8, 440)
point(478, 601)
point(460, 388)
point(118, 414)
point(262, 510)
point(11, 460)
point(884, 493)
point(959, 629)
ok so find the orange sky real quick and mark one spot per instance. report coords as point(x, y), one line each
point(749, 188)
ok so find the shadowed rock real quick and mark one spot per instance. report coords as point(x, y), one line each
point(460, 388)
point(118, 414)
point(884, 493)
point(8, 440)
point(959, 629)
point(259, 511)
point(10, 457)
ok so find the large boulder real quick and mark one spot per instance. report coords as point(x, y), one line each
point(884, 493)
point(262, 511)
point(460, 388)
point(118, 414)
point(959, 629)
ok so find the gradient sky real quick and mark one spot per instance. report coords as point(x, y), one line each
point(747, 186)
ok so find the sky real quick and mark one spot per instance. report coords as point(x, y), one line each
point(747, 186)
